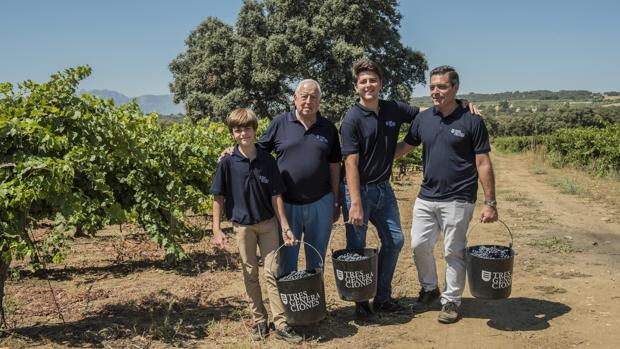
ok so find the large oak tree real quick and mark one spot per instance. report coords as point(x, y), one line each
point(276, 43)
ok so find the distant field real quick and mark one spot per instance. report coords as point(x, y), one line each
point(532, 98)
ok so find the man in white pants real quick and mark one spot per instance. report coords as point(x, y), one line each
point(456, 149)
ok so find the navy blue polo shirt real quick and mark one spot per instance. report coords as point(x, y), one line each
point(303, 155)
point(374, 137)
point(449, 148)
point(248, 186)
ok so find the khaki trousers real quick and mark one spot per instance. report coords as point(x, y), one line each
point(264, 235)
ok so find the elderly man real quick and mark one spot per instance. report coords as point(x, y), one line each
point(456, 149)
point(307, 148)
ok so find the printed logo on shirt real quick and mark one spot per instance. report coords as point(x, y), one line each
point(263, 179)
point(390, 123)
point(457, 133)
point(321, 139)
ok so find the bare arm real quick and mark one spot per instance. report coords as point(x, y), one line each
point(402, 148)
point(334, 179)
point(356, 211)
point(287, 234)
point(487, 179)
point(219, 239)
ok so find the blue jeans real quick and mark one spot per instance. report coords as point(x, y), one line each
point(314, 220)
point(381, 209)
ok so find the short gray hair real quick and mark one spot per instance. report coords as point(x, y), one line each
point(305, 81)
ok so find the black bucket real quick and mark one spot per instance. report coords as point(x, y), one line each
point(490, 278)
point(303, 299)
point(356, 281)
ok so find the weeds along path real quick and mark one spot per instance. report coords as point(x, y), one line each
point(568, 238)
point(116, 291)
point(566, 273)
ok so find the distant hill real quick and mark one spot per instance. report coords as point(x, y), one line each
point(161, 104)
point(568, 95)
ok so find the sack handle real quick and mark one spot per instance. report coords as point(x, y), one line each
point(322, 265)
point(500, 221)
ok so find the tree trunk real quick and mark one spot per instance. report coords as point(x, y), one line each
point(4, 273)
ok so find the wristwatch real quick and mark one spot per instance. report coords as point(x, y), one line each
point(492, 203)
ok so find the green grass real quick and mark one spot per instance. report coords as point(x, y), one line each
point(566, 185)
point(515, 197)
point(553, 244)
point(213, 328)
point(169, 329)
point(10, 307)
point(538, 170)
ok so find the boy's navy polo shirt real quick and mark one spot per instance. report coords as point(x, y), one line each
point(248, 186)
point(303, 155)
point(374, 137)
point(450, 145)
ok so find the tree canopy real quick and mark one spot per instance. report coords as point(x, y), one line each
point(276, 43)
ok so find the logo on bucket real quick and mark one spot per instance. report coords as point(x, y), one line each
point(355, 279)
point(300, 301)
point(501, 279)
point(486, 276)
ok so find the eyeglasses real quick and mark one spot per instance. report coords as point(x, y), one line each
point(440, 87)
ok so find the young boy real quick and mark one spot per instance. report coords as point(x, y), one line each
point(248, 187)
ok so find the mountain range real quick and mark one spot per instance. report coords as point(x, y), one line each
point(161, 104)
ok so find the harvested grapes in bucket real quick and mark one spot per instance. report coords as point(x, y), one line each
point(351, 257)
point(491, 252)
point(296, 275)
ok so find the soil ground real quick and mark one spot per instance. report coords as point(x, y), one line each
point(117, 290)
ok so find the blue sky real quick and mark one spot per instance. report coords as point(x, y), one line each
point(495, 45)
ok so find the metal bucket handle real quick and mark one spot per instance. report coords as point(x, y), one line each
point(297, 241)
point(345, 223)
point(500, 221)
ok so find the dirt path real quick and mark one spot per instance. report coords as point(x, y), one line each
point(116, 292)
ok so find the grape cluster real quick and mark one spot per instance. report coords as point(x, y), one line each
point(491, 252)
point(351, 257)
point(296, 275)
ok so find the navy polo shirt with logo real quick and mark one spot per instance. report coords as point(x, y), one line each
point(449, 148)
point(303, 155)
point(248, 186)
point(374, 137)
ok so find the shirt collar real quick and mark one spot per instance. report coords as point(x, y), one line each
point(368, 112)
point(458, 111)
point(292, 117)
point(237, 156)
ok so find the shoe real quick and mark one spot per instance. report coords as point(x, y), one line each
point(390, 306)
point(425, 300)
point(288, 334)
point(364, 312)
point(449, 313)
point(260, 331)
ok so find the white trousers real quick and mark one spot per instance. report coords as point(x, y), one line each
point(429, 220)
